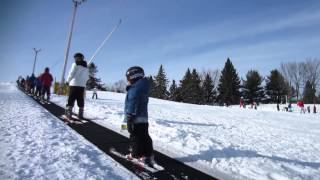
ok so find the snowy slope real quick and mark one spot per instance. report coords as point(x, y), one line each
point(243, 143)
point(36, 145)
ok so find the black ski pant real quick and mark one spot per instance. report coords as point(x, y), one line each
point(46, 90)
point(38, 91)
point(141, 142)
point(94, 95)
point(76, 93)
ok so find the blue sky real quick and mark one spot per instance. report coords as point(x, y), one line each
point(255, 34)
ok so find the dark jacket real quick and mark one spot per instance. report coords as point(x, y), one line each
point(38, 83)
point(136, 103)
point(32, 81)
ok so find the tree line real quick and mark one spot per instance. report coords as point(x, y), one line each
point(294, 81)
point(205, 88)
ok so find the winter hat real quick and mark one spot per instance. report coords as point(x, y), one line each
point(134, 73)
point(46, 69)
point(78, 55)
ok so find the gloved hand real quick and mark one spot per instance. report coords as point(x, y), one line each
point(124, 126)
point(130, 118)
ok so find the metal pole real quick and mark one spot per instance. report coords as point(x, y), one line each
point(76, 3)
point(104, 41)
point(35, 58)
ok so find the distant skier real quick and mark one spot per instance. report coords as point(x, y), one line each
point(77, 79)
point(290, 107)
point(95, 94)
point(255, 106)
point(301, 106)
point(242, 104)
point(46, 79)
point(136, 115)
point(314, 109)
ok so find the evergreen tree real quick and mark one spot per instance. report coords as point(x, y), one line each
point(276, 86)
point(252, 89)
point(195, 88)
point(174, 91)
point(161, 83)
point(152, 86)
point(93, 80)
point(229, 85)
point(309, 94)
point(208, 90)
point(185, 86)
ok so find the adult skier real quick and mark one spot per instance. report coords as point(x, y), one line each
point(46, 79)
point(77, 79)
point(136, 115)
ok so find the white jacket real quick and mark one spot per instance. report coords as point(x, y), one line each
point(78, 75)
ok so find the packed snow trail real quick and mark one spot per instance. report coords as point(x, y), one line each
point(248, 144)
point(106, 139)
point(35, 145)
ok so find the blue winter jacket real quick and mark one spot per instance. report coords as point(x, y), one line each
point(38, 83)
point(137, 99)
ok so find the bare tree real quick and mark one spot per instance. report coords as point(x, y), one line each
point(214, 73)
point(119, 86)
point(312, 72)
point(298, 73)
point(294, 73)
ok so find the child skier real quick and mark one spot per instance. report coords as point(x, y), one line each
point(95, 94)
point(136, 115)
point(38, 87)
point(77, 79)
point(242, 105)
point(46, 79)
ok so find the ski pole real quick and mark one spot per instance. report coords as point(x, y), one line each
point(104, 41)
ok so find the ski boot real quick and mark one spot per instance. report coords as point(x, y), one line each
point(68, 112)
point(80, 114)
point(149, 161)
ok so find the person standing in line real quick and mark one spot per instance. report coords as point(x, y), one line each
point(32, 80)
point(77, 79)
point(38, 87)
point(136, 115)
point(46, 79)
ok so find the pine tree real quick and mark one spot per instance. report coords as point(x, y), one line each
point(161, 83)
point(309, 94)
point(229, 85)
point(208, 90)
point(195, 88)
point(276, 87)
point(252, 89)
point(185, 84)
point(174, 91)
point(93, 80)
point(152, 86)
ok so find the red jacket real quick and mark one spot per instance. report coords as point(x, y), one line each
point(300, 104)
point(46, 79)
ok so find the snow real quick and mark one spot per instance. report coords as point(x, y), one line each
point(225, 142)
point(36, 145)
